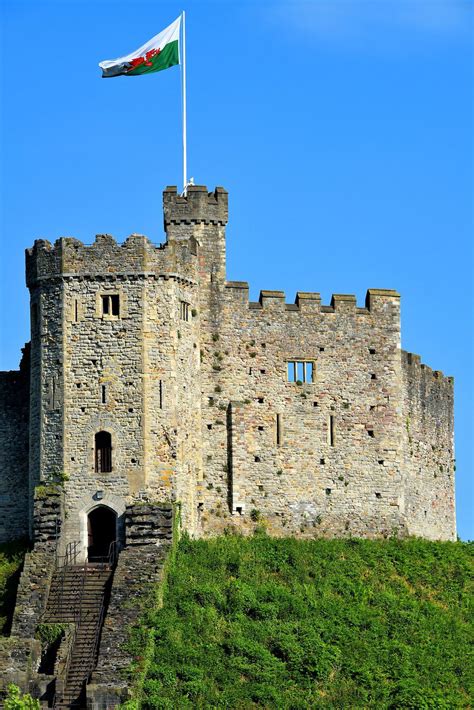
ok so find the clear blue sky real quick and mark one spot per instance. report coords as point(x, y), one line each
point(342, 130)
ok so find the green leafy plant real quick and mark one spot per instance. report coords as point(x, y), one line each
point(50, 633)
point(15, 700)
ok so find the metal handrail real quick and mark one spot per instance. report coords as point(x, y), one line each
point(70, 557)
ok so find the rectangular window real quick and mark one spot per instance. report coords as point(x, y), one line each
point(184, 310)
point(76, 310)
point(111, 305)
point(103, 394)
point(300, 371)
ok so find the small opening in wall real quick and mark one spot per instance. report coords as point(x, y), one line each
point(130, 409)
point(257, 459)
point(184, 310)
point(315, 404)
point(262, 372)
point(264, 345)
point(381, 462)
point(328, 491)
point(260, 428)
point(133, 460)
point(111, 305)
point(250, 370)
point(239, 509)
point(209, 426)
point(322, 461)
point(378, 495)
point(76, 310)
point(372, 407)
point(321, 350)
point(331, 430)
point(83, 409)
point(260, 400)
point(372, 351)
point(73, 458)
point(103, 452)
point(425, 513)
point(160, 393)
point(103, 394)
point(371, 433)
point(279, 430)
point(373, 376)
point(78, 385)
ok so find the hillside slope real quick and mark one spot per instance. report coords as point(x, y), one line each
point(272, 623)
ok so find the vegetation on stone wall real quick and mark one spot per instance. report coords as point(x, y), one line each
point(11, 560)
point(16, 700)
point(285, 623)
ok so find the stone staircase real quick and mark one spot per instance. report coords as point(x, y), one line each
point(78, 595)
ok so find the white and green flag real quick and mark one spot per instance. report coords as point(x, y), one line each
point(160, 52)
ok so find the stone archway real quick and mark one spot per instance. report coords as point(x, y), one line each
point(101, 532)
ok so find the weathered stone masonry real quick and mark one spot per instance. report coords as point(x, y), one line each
point(190, 380)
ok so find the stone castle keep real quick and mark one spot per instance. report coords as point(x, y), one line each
point(153, 394)
point(151, 378)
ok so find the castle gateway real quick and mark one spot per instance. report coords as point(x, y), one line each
point(150, 378)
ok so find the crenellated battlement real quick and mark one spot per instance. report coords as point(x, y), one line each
point(106, 257)
point(198, 206)
point(310, 302)
point(415, 368)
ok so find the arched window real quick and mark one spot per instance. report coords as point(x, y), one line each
point(103, 452)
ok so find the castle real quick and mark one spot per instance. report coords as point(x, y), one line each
point(150, 377)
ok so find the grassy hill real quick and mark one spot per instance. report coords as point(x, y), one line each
point(11, 560)
point(265, 623)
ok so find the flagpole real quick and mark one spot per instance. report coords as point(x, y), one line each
point(183, 88)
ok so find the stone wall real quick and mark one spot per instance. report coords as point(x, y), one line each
point(333, 466)
point(14, 411)
point(429, 463)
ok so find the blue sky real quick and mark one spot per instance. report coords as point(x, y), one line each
point(342, 130)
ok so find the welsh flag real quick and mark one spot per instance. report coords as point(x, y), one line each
point(160, 52)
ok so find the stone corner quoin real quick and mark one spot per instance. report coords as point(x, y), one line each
point(150, 377)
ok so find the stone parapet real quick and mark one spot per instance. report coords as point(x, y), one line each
point(198, 206)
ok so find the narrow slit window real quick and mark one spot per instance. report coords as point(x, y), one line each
point(161, 393)
point(278, 430)
point(103, 394)
point(184, 310)
point(331, 430)
point(103, 452)
point(76, 310)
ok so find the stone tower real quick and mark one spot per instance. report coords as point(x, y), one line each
point(153, 378)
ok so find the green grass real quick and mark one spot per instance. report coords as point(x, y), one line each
point(265, 623)
point(11, 560)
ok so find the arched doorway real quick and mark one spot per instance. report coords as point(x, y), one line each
point(101, 531)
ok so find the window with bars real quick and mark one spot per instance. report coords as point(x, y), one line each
point(111, 304)
point(103, 452)
point(300, 371)
point(184, 310)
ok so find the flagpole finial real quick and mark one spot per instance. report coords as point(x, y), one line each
point(188, 184)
